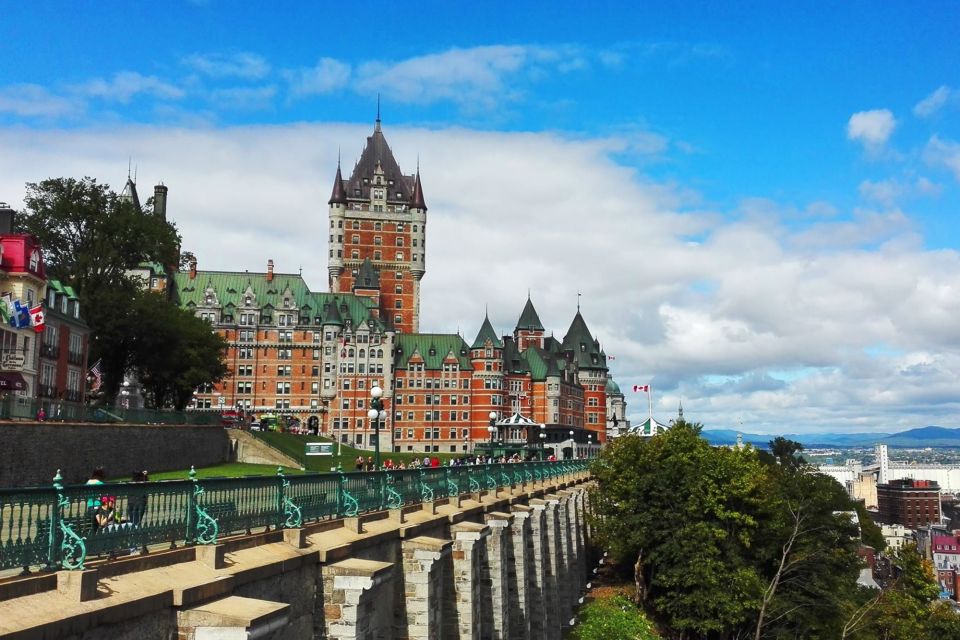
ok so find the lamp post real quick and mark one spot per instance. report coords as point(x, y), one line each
point(492, 429)
point(590, 445)
point(543, 438)
point(376, 415)
point(573, 446)
point(466, 444)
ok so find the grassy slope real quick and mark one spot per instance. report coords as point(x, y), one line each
point(293, 446)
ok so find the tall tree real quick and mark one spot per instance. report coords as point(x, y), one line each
point(92, 239)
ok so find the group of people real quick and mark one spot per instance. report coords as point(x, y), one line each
point(428, 462)
point(105, 512)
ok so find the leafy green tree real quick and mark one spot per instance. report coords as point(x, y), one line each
point(173, 351)
point(92, 238)
point(686, 515)
point(787, 452)
point(870, 533)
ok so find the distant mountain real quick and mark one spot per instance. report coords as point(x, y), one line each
point(925, 437)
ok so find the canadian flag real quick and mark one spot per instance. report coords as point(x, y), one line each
point(641, 387)
point(36, 318)
point(611, 358)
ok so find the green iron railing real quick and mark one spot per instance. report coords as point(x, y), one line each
point(57, 527)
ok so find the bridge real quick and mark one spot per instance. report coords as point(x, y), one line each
point(470, 552)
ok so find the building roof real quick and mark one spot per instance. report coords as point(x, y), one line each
point(339, 194)
point(368, 277)
point(416, 200)
point(129, 193)
point(433, 348)
point(613, 388)
point(529, 320)
point(230, 289)
point(377, 153)
point(487, 333)
point(584, 347)
point(649, 427)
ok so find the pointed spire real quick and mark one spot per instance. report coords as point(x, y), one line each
point(332, 313)
point(529, 320)
point(680, 410)
point(368, 277)
point(377, 126)
point(416, 200)
point(339, 195)
point(487, 333)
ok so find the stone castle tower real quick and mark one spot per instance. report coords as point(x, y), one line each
point(378, 224)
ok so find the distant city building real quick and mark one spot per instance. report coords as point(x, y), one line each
point(946, 562)
point(896, 535)
point(912, 503)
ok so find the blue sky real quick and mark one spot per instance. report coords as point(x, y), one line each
point(822, 135)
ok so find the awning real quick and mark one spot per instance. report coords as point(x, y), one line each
point(12, 381)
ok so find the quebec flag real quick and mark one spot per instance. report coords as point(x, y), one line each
point(20, 318)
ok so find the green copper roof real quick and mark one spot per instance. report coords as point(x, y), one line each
point(487, 333)
point(537, 364)
point(529, 320)
point(433, 348)
point(580, 343)
point(613, 388)
point(62, 289)
point(231, 288)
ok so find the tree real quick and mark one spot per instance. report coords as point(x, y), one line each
point(92, 239)
point(688, 514)
point(173, 351)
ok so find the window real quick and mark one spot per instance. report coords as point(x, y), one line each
point(399, 242)
point(377, 240)
point(398, 304)
point(283, 388)
point(356, 224)
point(355, 255)
point(355, 239)
point(377, 227)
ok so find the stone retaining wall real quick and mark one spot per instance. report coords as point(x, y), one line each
point(31, 452)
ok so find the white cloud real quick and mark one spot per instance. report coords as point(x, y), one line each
point(943, 153)
point(871, 128)
point(792, 313)
point(326, 76)
point(34, 101)
point(244, 97)
point(125, 85)
point(248, 66)
point(933, 102)
point(476, 78)
point(888, 192)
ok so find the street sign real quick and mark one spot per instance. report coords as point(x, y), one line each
point(319, 449)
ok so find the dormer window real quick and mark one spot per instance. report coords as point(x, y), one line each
point(209, 299)
point(63, 305)
point(76, 309)
point(247, 301)
point(34, 260)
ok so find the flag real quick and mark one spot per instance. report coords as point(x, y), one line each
point(97, 376)
point(36, 318)
point(641, 387)
point(21, 316)
point(611, 358)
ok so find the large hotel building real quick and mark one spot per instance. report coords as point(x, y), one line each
point(316, 356)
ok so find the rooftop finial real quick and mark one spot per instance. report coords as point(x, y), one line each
point(129, 163)
point(378, 111)
point(578, 301)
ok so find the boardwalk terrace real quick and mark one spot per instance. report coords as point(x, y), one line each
point(489, 551)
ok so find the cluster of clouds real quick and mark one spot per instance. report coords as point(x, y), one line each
point(842, 322)
point(781, 317)
point(480, 78)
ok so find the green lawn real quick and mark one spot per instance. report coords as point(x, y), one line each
point(293, 446)
point(228, 470)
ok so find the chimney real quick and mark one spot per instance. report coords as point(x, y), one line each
point(6, 218)
point(160, 201)
point(269, 270)
point(193, 268)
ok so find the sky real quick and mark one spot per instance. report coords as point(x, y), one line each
point(756, 200)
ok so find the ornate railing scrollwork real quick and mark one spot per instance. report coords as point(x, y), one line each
point(73, 550)
point(393, 499)
point(292, 515)
point(349, 506)
point(426, 492)
point(205, 526)
point(452, 488)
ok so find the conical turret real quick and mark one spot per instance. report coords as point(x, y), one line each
point(416, 200)
point(339, 194)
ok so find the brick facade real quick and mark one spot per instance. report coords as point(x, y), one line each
point(316, 356)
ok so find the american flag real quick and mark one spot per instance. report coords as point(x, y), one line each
point(97, 376)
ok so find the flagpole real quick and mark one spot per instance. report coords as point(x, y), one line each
point(650, 403)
